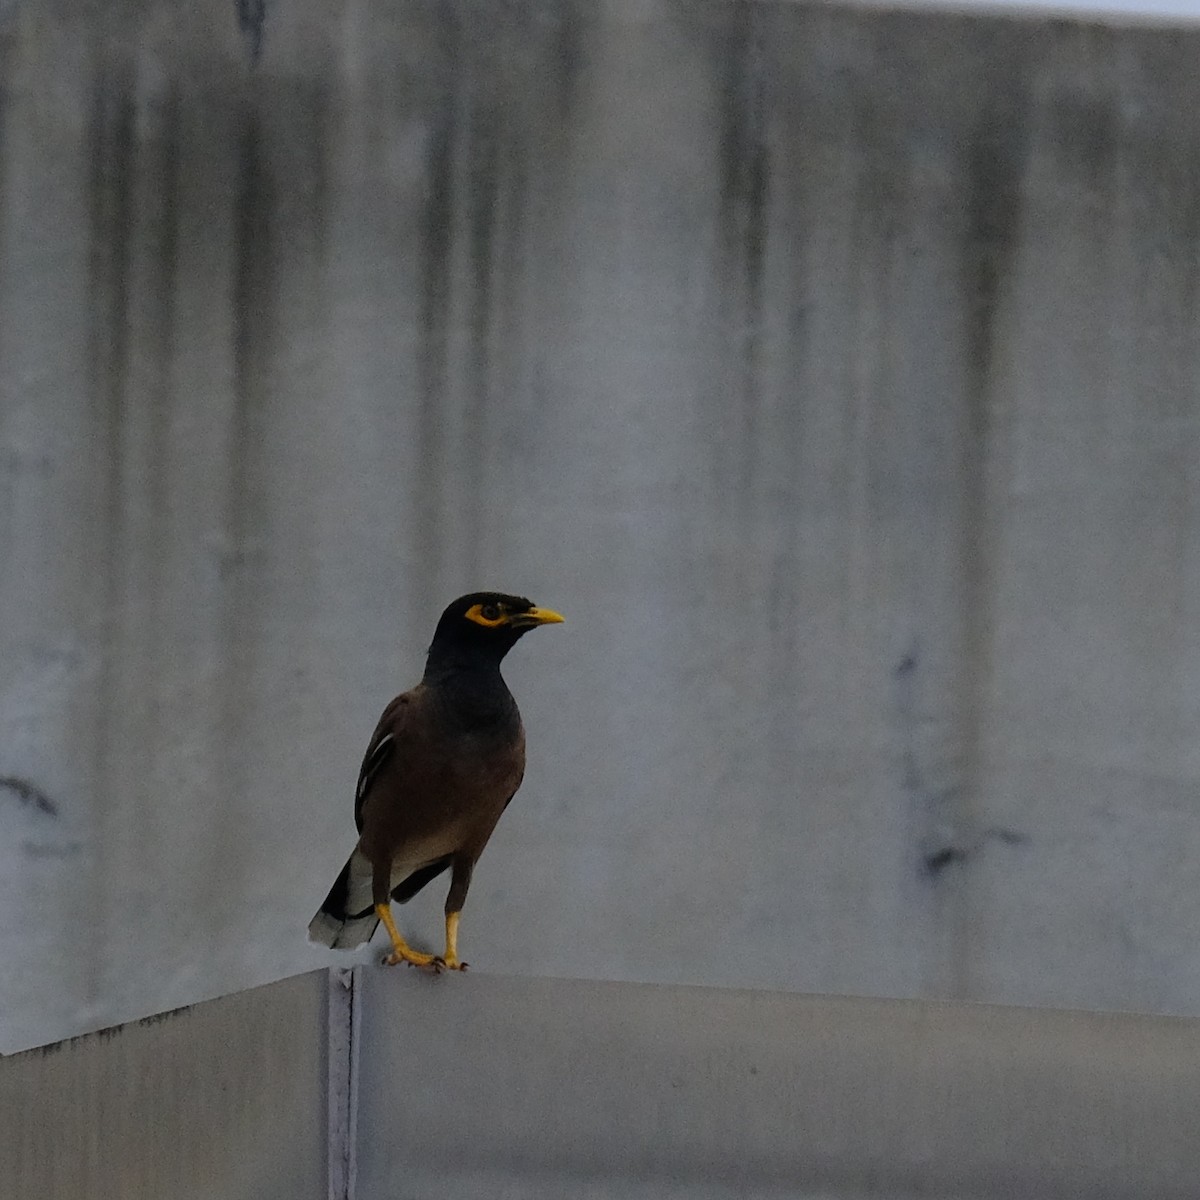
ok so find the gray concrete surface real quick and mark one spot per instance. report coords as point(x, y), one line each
point(834, 371)
point(220, 1101)
point(539, 1089)
point(506, 1088)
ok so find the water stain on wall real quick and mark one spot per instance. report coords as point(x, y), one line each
point(827, 384)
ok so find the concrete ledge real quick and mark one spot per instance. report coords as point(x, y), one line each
point(506, 1087)
point(222, 1100)
point(495, 1087)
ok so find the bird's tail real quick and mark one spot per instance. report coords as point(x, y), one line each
point(347, 917)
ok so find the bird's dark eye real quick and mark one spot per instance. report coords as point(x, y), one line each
point(491, 612)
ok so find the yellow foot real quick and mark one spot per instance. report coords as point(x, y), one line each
point(401, 950)
point(448, 963)
point(414, 958)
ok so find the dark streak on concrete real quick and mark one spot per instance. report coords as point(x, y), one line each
point(905, 675)
point(29, 794)
point(1180, 66)
point(317, 166)
point(995, 157)
point(938, 858)
point(539, 132)
point(788, 128)
point(573, 29)
point(485, 158)
point(107, 1034)
point(510, 263)
point(744, 164)
point(436, 281)
point(7, 73)
point(935, 839)
point(111, 143)
point(954, 839)
point(252, 282)
point(254, 325)
point(1190, 223)
point(252, 21)
point(1191, 237)
point(253, 293)
point(995, 165)
point(168, 236)
point(1007, 837)
point(111, 146)
point(157, 336)
point(936, 861)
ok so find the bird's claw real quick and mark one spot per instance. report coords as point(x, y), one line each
point(440, 964)
point(424, 961)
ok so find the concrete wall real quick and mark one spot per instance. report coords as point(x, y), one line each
point(221, 1101)
point(546, 1088)
point(539, 1088)
point(835, 372)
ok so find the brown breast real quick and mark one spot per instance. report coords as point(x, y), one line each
point(440, 792)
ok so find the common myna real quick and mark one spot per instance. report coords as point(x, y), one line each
point(442, 765)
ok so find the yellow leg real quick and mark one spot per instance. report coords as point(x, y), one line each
point(450, 959)
point(401, 950)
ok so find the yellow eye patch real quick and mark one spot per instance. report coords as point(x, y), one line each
point(490, 616)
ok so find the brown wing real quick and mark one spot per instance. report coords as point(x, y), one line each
point(389, 733)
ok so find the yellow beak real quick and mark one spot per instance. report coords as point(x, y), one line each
point(538, 616)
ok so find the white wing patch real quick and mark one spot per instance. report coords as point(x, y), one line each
point(373, 763)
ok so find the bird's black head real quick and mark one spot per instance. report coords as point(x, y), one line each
point(480, 629)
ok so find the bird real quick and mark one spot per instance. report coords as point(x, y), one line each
point(441, 767)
